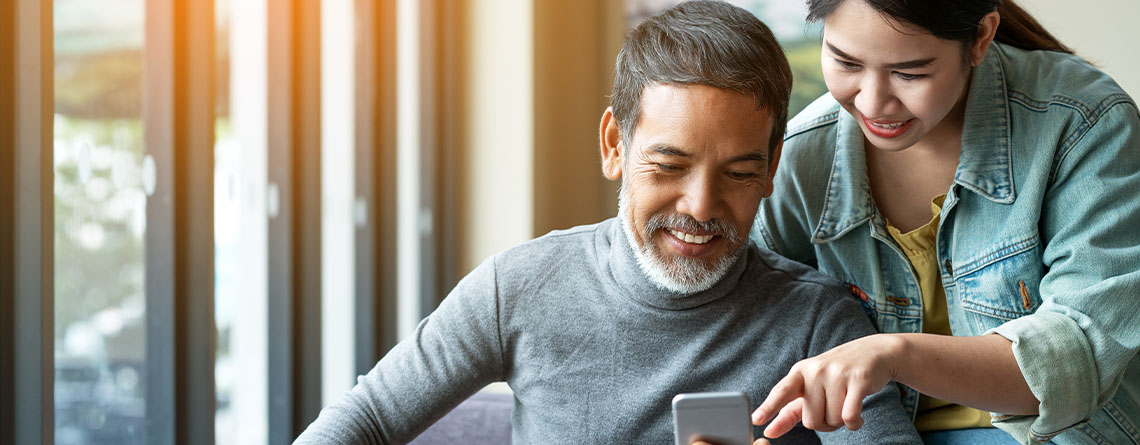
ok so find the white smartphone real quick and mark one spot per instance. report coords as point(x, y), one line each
point(715, 417)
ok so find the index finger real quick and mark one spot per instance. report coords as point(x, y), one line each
point(789, 388)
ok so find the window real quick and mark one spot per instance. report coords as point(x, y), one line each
point(341, 212)
point(101, 178)
point(240, 210)
point(801, 41)
point(155, 194)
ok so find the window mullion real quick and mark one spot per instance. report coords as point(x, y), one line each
point(178, 132)
point(26, 343)
point(376, 290)
point(294, 217)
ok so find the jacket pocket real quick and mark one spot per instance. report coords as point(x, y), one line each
point(1002, 285)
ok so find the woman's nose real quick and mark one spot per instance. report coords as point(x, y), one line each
point(875, 99)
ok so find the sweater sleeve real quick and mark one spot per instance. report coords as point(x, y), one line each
point(453, 353)
point(884, 419)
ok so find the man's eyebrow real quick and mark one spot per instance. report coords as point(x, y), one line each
point(669, 150)
point(917, 63)
point(758, 156)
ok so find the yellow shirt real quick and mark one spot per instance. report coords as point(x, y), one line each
point(919, 246)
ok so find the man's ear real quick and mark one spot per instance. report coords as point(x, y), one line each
point(611, 146)
point(987, 29)
point(772, 164)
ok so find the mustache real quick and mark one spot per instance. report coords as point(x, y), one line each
point(686, 223)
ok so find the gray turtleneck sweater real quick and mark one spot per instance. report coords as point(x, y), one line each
point(595, 352)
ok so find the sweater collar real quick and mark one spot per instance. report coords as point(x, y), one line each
point(635, 283)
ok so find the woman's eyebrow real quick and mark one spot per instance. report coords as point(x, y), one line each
point(895, 66)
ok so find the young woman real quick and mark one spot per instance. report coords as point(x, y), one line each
point(978, 188)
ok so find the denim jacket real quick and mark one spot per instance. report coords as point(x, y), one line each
point(1039, 239)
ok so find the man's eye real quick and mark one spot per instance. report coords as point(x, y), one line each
point(742, 175)
point(667, 168)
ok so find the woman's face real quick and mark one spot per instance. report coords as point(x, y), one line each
point(899, 82)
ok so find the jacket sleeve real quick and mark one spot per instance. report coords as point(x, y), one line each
point(453, 353)
point(1073, 351)
point(885, 421)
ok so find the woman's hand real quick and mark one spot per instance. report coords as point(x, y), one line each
point(826, 392)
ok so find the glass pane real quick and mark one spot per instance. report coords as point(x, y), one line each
point(240, 223)
point(339, 212)
point(100, 221)
point(801, 41)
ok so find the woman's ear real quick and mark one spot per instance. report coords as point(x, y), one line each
point(611, 146)
point(987, 29)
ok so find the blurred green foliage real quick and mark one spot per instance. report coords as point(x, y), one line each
point(803, 56)
point(99, 247)
point(102, 85)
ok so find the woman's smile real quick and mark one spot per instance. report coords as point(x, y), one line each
point(887, 129)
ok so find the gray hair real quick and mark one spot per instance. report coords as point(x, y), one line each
point(708, 43)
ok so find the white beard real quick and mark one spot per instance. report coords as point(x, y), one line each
point(679, 274)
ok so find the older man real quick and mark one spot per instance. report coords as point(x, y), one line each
point(596, 328)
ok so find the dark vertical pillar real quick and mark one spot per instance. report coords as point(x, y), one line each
point(179, 135)
point(294, 217)
point(26, 233)
point(375, 176)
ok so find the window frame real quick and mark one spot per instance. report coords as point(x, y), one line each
point(178, 117)
point(7, 204)
point(294, 230)
point(441, 104)
point(375, 168)
point(27, 287)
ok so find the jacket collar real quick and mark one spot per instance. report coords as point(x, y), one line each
point(984, 167)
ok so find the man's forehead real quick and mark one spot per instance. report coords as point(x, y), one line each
point(666, 106)
point(685, 120)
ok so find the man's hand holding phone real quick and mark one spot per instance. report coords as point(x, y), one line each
point(719, 418)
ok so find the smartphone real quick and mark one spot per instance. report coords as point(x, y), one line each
point(715, 417)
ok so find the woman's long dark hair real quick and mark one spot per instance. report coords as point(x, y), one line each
point(957, 20)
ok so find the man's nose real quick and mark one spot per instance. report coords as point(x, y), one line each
point(702, 198)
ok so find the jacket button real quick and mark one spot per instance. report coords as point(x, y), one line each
point(949, 268)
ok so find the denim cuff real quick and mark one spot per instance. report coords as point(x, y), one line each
point(1057, 361)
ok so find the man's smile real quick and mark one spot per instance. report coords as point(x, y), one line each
point(691, 238)
point(690, 245)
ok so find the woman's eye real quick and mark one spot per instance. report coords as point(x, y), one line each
point(847, 65)
point(909, 77)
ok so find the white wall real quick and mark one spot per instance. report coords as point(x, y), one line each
point(499, 193)
point(1104, 32)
